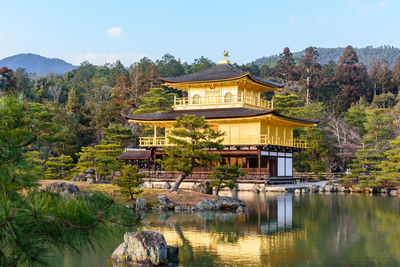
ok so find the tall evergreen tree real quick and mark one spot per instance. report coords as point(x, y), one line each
point(191, 139)
point(310, 73)
point(351, 78)
point(285, 68)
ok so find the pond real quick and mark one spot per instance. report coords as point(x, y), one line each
point(280, 230)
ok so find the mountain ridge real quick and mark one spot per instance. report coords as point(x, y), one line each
point(37, 64)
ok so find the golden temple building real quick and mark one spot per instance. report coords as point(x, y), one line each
point(257, 138)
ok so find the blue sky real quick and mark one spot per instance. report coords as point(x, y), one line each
point(103, 31)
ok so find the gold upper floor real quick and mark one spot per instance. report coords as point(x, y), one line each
point(227, 94)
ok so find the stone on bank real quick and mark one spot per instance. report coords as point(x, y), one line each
point(144, 247)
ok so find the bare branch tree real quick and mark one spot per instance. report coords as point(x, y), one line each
point(55, 92)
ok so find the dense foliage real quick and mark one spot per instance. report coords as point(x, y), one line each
point(193, 137)
point(74, 113)
point(35, 223)
point(225, 176)
point(129, 181)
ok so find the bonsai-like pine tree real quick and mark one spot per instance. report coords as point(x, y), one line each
point(156, 100)
point(101, 159)
point(59, 167)
point(364, 167)
point(390, 168)
point(192, 141)
point(225, 176)
point(129, 181)
point(118, 134)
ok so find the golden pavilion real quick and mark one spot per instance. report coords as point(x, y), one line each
point(257, 138)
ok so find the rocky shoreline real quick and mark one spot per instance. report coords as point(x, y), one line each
point(337, 188)
point(223, 203)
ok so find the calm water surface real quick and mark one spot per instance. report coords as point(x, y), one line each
point(281, 230)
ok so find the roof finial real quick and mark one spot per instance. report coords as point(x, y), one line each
point(226, 54)
point(225, 60)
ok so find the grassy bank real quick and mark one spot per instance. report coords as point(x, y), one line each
point(180, 198)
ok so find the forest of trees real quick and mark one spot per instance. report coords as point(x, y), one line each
point(366, 55)
point(80, 112)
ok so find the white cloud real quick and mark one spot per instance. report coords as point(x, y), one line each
point(383, 4)
point(102, 58)
point(115, 32)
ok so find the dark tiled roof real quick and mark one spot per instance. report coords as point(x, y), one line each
point(135, 154)
point(224, 113)
point(217, 73)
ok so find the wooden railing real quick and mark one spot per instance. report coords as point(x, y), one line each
point(197, 102)
point(203, 175)
point(241, 140)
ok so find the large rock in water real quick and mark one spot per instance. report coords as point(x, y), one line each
point(140, 204)
point(163, 200)
point(202, 188)
point(208, 204)
point(63, 188)
point(229, 203)
point(145, 247)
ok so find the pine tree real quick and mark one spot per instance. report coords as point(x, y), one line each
point(129, 181)
point(117, 134)
point(365, 167)
point(59, 167)
point(156, 100)
point(224, 176)
point(102, 159)
point(191, 139)
point(378, 127)
point(390, 168)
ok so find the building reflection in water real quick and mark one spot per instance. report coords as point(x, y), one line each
point(283, 220)
point(232, 238)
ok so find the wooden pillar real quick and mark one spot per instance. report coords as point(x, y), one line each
point(247, 163)
point(259, 162)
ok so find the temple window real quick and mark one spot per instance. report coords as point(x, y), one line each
point(196, 99)
point(228, 98)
